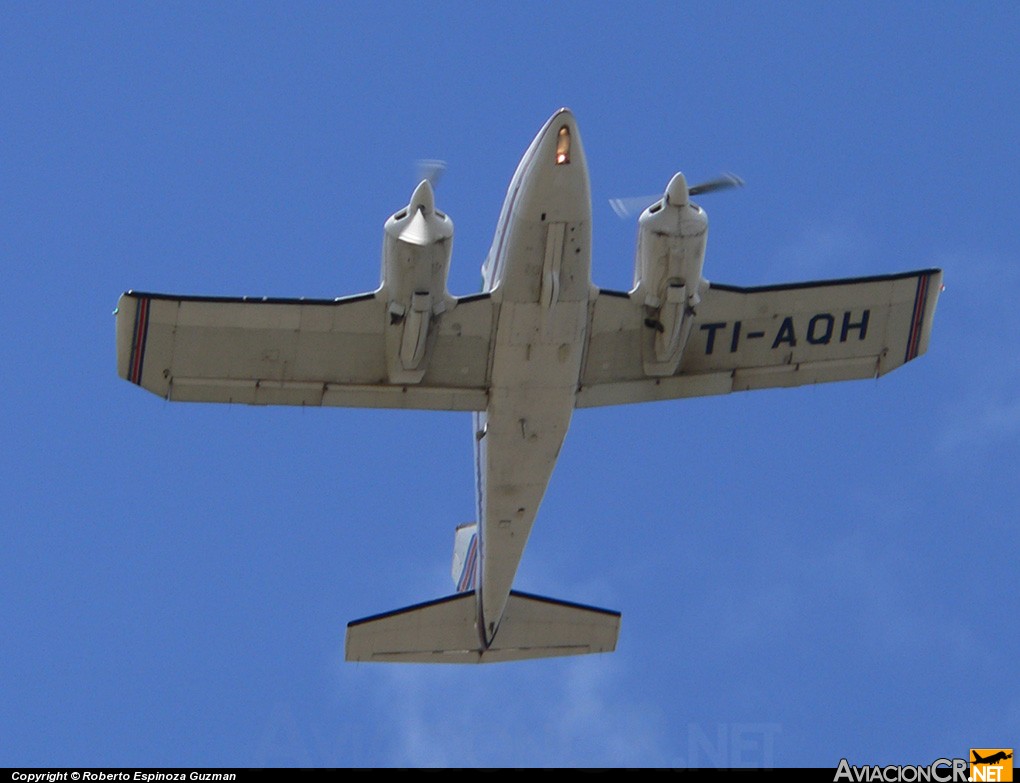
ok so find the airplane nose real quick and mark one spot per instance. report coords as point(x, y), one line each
point(554, 183)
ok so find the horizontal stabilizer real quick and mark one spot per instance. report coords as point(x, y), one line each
point(445, 631)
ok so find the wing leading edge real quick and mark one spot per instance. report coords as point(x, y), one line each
point(763, 337)
point(298, 351)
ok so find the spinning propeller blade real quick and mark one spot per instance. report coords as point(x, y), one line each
point(633, 205)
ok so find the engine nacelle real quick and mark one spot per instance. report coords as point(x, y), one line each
point(672, 234)
point(417, 242)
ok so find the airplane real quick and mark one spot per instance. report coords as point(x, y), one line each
point(995, 758)
point(538, 342)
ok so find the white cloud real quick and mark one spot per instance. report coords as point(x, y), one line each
point(570, 712)
point(992, 423)
point(974, 347)
point(830, 249)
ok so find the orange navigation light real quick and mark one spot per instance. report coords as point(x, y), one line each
point(563, 146)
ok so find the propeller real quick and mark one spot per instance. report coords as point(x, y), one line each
point(725, 182)
point(420, 229)
point(632, 205)
point(430, 169)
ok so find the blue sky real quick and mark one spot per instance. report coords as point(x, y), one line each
point(803, 574)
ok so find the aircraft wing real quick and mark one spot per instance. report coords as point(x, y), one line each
point(763, 337)
point(299, 351)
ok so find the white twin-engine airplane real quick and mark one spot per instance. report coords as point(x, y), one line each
point(538, 342)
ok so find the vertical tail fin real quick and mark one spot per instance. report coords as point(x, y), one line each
point(465, 557)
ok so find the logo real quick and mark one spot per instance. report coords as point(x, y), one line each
point(939, 771)
point(991, 764)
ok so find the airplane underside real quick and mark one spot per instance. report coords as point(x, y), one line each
point(537, 343)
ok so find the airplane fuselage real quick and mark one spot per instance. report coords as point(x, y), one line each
point(539, 272)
